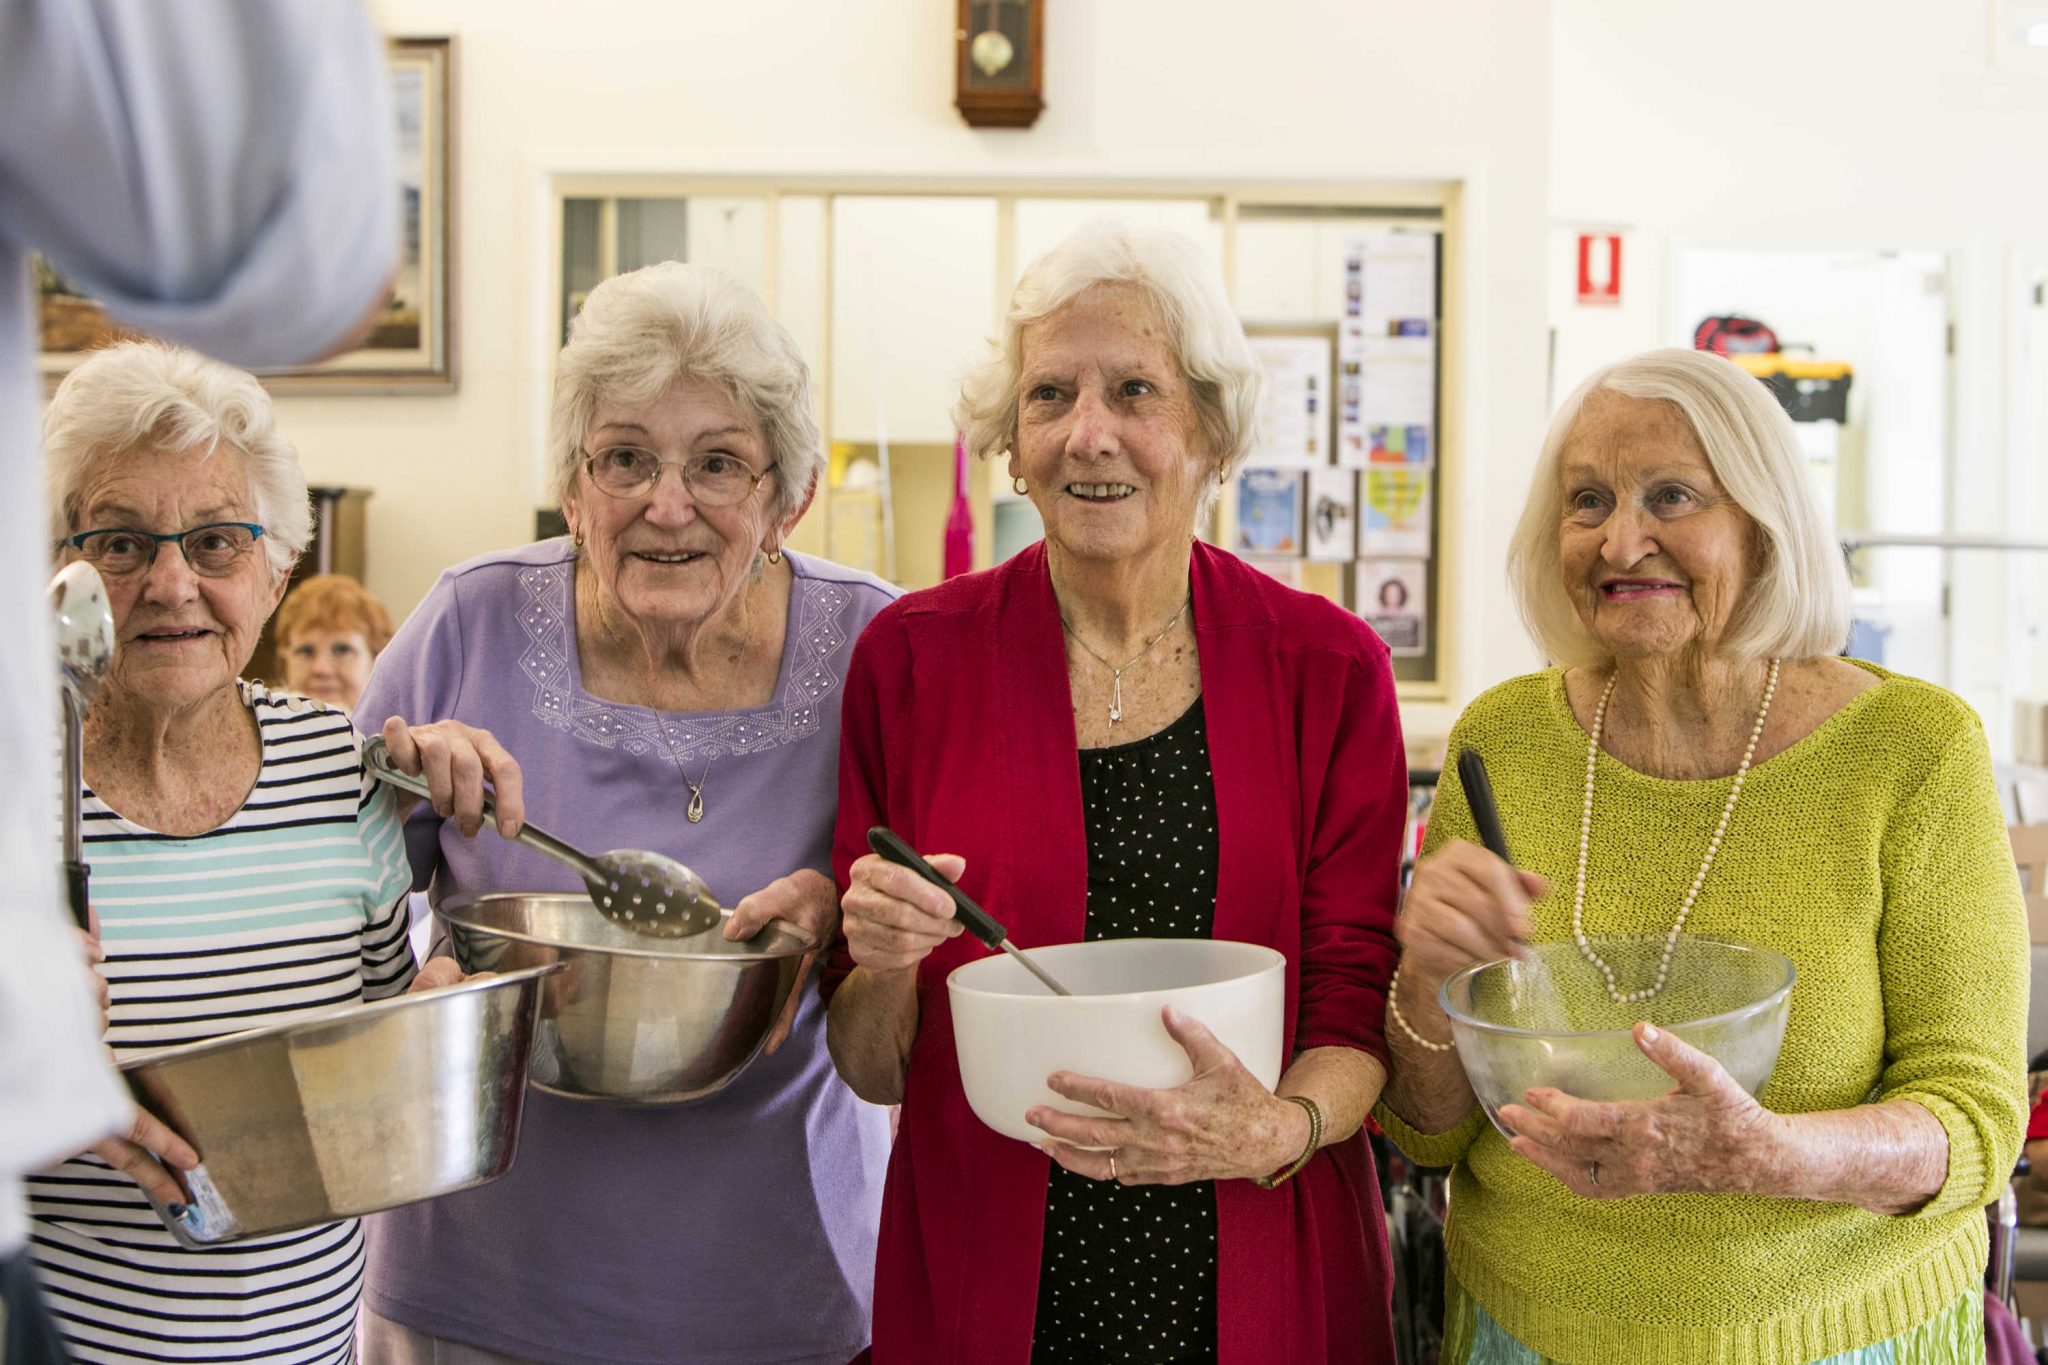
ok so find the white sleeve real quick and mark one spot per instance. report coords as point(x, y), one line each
point(218, 172)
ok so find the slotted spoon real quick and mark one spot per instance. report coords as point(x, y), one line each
point(648, 893)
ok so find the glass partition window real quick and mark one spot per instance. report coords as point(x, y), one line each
point(892, 294)
point(603, 237)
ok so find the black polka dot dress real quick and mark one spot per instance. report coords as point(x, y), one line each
point(1129, 1273)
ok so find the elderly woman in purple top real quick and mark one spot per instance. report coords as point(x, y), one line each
point(671, 677)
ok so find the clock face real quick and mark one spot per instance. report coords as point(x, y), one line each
point(998, 45)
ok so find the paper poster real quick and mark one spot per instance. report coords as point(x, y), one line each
point(1294, 423)
point(1395, 516)
point(1398, 445)
point(1390, 598)
point(1386, 350)
point(1332, 532)
point(1398, 381)
point(1400, 281)
point(1269, 512)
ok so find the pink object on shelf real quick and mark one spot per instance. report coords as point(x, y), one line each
point(959, 544)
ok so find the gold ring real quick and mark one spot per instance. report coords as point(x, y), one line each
point(1112, 1163)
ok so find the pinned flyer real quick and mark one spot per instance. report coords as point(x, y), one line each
point(1332, 515)
point(1386, 351)
point(1294, 422)
point(1396, 513)
point(1391, 598)
point(1269, 512)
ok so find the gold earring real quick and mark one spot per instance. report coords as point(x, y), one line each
point(576, 539)
point(775, 555)
point(1017, 486)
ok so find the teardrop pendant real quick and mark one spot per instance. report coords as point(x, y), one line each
point(696, 810)
point(1116, 696)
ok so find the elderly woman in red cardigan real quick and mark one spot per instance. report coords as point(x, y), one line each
point(1124, 732)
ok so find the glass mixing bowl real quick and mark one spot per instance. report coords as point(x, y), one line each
point(1547, 1019)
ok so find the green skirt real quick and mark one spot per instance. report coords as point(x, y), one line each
point(1953, 1337)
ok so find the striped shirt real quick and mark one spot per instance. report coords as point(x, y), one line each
point(295, 905)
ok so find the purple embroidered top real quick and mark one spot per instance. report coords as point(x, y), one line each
point(740, 1228)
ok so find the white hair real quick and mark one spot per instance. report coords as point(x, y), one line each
point(640, 332)
point(1796, 604)
point(147, 399)
point(1169, 270)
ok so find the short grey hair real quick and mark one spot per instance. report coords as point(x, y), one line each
point(142, 399)
point(1796, 606)
point(642, 331)
point(1203, 333)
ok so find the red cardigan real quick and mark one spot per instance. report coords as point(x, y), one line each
point(958, 733)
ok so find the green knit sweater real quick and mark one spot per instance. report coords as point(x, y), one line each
point(1873, 853)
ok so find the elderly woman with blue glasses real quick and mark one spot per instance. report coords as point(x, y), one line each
point(246, 870)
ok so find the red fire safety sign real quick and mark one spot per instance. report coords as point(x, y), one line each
point(1600, 268)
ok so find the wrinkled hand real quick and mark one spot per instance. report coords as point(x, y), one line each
point(1707, 1136)
point(138, 1155)
point(457, 760)
point(437, 972)
point(1221, 1125)
point(894, 918)
point(805, 899)
point(1464, 906)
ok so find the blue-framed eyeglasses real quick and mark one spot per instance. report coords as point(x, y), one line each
point(213, 550)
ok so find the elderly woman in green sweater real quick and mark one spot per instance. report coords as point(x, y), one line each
point(1733, 777)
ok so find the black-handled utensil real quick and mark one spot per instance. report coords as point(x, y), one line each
point(1528, 978)
point(979, 922)
point(1479, 799)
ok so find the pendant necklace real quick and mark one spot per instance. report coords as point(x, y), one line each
point(1116, 671)
point(696, 808)
point(695, 811)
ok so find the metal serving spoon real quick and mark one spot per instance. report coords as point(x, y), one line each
point(647, 893)
point(85, 651)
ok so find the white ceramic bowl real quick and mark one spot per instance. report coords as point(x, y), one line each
point(1011, 1033)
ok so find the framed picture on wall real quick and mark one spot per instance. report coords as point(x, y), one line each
point(411, 347)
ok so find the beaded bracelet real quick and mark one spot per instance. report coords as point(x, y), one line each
point(1394, 1007)
point(1315, 1140)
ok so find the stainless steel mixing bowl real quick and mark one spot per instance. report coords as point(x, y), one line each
point(347, 1112)
point(632, 1019)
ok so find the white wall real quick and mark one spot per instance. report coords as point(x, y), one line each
point(1336, 90)
point(1855, 124)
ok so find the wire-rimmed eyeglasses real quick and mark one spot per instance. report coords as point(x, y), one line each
point(714, 479)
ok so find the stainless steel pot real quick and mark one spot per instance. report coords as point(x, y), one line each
point(347, 1112)
point(632, 1019)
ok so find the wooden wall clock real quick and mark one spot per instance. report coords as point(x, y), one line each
point(999, 62)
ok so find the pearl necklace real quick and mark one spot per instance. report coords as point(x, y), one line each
point(1756, 731)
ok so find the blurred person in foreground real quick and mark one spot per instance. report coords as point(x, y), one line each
point(213, 171)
